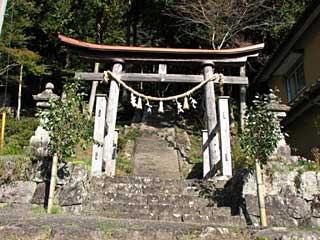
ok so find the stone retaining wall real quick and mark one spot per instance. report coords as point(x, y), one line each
point(292, 198)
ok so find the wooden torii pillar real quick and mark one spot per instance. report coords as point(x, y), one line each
point(207, 59)
point(211, 115)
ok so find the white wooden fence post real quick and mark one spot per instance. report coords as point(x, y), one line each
point(223, 103)
point(205, 153)
point(98, 135)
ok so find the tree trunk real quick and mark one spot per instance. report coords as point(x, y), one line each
point(19, 94)
point(53, 182)
point(261, 195)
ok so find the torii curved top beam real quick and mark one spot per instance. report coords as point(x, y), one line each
point(104, 53)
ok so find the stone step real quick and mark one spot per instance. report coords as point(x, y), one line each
point(145, 189)
point(140, 180)
point(173, 199)
point(118, 207)
point(154, 199)
point(211, 233)
point(216, 220)
point(147, 185)
point(143, 180)
point(61, 226)
point(164, 212)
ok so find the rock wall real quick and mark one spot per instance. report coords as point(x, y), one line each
point(33, 188)
point(292, 197)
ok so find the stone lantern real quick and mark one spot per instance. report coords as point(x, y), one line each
point(40, 140)
point(43, 97)
point(280, 110)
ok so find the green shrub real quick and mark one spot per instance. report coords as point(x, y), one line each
point(131, 135)
point(196, 149)
point(262, 132)
point(309, 165)
point(67, 122)
point(55, 210)
point(124, 163)
point(18, 134)
point(240, 161)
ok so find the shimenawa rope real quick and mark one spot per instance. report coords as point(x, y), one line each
point(214, 77)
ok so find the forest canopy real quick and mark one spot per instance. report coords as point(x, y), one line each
point(29, 35)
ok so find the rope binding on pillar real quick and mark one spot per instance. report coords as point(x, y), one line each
point(108, 75)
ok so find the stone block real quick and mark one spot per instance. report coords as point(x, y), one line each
point(15, 168)
point(25, 232)
point(74, 209)
point(39, 194)
point(73, 233)
point(315, 206)
point(308, 185)
point(39, 142)
point(252, 204)
point(282, 180)
point(277, 210)
point(227, 220)
point(71, 194)
point(170, 217)
point(210, 233)
point(315, 222)
point(297, 208)
point(286, 234)
point(79, 173)
point(17, 192)
point(250, 186)
point(196, 218)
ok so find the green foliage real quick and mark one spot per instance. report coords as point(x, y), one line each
point(239, 157)
point(125, 165)
point(287, 13)
point(66, 122)
point(55, 209)
point(308, 165)
point(131, 135)
point(262, 238)
point(16, 38)
point(262, 132)
point(18, 134)
point(316, 154)
point(124, 162)
point(317, 123)
point(105, 228)
point(37, 209)
point(196, 149)
point(240, 161)
point(4, 205)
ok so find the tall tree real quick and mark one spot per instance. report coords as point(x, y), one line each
point(222, 23)
point(14, 42)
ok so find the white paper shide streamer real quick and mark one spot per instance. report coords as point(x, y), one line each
point(179, 107)
point(133, 100)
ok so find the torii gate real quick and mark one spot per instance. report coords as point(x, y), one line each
point(207, 59)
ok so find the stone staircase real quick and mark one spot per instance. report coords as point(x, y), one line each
point(144, 198)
